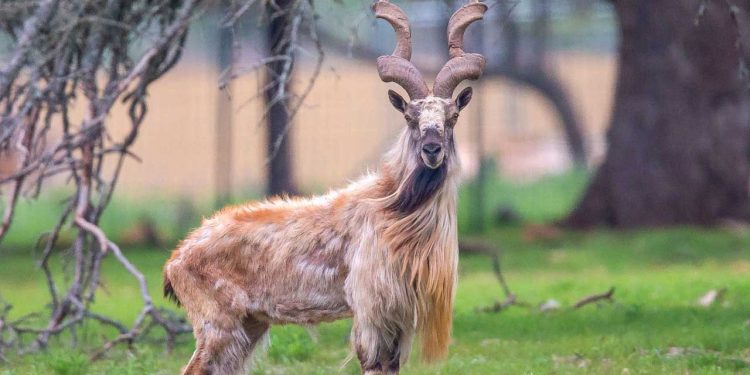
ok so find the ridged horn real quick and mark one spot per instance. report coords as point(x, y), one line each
point(462, 65)
point(397, 67)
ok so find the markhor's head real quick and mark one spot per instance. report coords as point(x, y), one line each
point(431, 121)
point(430, 116)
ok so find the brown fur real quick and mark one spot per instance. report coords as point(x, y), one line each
point(383, 250)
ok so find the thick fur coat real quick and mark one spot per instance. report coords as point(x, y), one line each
point(383, 250)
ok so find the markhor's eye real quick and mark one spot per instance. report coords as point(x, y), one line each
point(454, 117)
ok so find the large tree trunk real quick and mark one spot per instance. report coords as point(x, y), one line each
point(680, 129)
point(280, 172)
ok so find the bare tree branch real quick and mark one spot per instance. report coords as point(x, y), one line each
point(94, 54)
point(62, 50)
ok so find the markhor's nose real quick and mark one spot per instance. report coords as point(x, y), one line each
point(432, 149)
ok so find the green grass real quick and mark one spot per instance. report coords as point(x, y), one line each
point(541, 201)
point(654, 326)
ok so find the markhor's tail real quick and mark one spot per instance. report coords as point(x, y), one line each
point(169, 290)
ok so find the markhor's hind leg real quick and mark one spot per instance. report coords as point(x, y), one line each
point(223, 349)
point(378, 353)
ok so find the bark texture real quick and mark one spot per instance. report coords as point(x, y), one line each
point(280, 170)
point(680, 128)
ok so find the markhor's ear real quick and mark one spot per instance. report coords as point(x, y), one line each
point(463, 99)
point(398, 102)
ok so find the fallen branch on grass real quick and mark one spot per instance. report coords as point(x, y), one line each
point(606, 296)
point(477, 246)
point(500, 305)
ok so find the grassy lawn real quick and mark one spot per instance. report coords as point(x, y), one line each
point(655, 324)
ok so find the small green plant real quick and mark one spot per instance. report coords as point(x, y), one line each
point(68, 363)
point(142, 361)
point(290, 344)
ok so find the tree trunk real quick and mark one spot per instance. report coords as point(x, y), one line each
point(280, 172)
point(223, 128)
point(680, 129)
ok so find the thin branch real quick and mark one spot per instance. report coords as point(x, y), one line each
point(80, 48)
point(23, 45)
point(606, 296)
point(487, 249)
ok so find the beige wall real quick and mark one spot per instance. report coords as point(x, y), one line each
point(344, 126)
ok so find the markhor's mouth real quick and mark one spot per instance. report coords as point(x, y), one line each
point(432, 163)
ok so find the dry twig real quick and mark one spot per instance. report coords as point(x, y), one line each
point(482, 247)
point(606, 296)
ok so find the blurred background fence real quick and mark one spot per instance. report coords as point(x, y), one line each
point(198, 140)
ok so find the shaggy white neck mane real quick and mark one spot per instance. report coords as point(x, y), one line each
point(420, 231)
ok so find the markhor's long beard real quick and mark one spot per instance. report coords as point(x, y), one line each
point(419, 187)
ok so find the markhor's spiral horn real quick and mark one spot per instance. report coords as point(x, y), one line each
point(462, 65)
point(397, 67)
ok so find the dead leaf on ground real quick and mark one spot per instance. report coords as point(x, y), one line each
point(549, 305)
point(711, 297)
point(576, 360)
